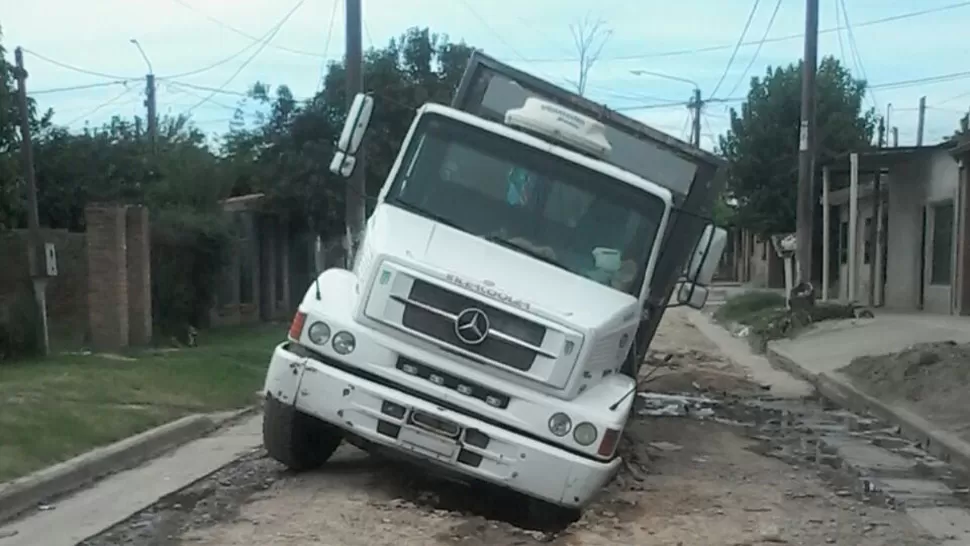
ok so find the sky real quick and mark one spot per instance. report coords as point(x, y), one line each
point(181, 38)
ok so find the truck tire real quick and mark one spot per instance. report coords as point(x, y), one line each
point(297, 440)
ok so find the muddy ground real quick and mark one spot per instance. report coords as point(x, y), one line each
point(688, 481)
point(933, 379)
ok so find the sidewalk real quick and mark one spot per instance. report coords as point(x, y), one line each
point(91, 510)
point(819, 354)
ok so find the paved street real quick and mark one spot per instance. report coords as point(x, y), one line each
point(692, 481)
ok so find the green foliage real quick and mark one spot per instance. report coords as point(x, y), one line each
point(743, 307)
point(288, 155)
point(723, 213)
point(761, 145)
point(189, 249)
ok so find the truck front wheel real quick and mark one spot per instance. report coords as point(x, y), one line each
point(297, 440)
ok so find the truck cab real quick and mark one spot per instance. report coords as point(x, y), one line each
point(492, 306)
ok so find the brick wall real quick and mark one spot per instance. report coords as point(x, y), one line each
point(67, 305)
point(107, 267)
point(138, 261)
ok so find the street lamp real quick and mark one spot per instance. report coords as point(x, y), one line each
point(143, 56)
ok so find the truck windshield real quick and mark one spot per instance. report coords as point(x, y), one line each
point(529, 200)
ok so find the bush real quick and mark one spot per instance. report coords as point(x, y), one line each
point(745, 307)
point(189, 250)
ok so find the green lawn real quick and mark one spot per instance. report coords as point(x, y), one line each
point(54, 409)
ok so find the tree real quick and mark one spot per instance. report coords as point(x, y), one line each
point(288, 155)
point(761, 146)
point(589, 37)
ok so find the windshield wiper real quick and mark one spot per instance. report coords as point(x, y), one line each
point(525, 250)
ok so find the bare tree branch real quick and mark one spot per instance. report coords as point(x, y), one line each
point(589, 38)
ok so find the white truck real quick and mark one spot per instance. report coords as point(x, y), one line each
point(519, 257)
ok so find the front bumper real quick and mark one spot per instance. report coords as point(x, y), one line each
point(397, 420)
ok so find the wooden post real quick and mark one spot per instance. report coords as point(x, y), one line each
point(36, 254)
point(851, 254)
point(826, 227)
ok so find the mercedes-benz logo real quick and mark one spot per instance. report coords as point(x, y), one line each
point(471, 326)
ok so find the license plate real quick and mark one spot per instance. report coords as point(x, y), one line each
point(427, 443)
point(435, 424)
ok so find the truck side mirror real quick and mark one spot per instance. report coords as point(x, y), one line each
point(692, 295)
point(692, 291)
point(706, 255)
point(358, 119)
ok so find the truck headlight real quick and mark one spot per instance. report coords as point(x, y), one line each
point(344, 343)
point(560, 424)
point(319, 333)
point(585, 434)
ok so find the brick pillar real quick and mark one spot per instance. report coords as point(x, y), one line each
point(138, 258)
point(107, 276)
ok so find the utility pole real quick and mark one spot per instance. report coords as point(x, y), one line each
point(36, 253)
point(152, 112)
point(356, 186)
point(696, 104)
point(149, 97)
point(806, 146)
point(921, 121)
point(895, 137)
point(875, 224)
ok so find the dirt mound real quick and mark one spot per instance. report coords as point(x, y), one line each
point(932, 378)
point(690, 370)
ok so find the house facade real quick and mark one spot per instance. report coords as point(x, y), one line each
point(896, 229)
point(270, 266)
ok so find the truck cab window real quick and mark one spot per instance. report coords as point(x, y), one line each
point(530, 199)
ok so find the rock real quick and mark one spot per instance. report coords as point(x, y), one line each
point(773, 535)
point(665, 446)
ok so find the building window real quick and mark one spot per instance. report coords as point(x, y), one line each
point(942, 248)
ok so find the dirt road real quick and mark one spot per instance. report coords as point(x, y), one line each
point(690, 482)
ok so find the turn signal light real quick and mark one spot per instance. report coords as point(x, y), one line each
point(608, 445)
point(296, 327)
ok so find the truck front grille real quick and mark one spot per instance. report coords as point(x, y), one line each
point(505, 338)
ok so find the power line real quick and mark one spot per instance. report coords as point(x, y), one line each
point(213, 65)
point(492, 30)
point(925, 80)
point(104, 104)
point(838, 23)
point(76, 68)
point(673, 104)
point(737, 46)
point(78, 87)
point(245, 63)
point(245, 34)
point(326, 44)
point(692, 51)
point(198, 96)
point(855, 51)
point(221, 62)
point(754, 57)
point(214, 90)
